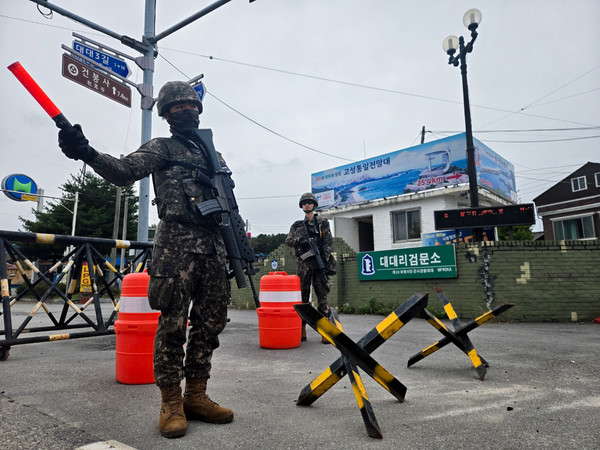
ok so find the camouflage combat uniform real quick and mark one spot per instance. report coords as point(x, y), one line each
point(188, 263)
point(308, 270)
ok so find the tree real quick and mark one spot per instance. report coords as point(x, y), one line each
point(266, 243)
point(520, 233)
point(95, 214)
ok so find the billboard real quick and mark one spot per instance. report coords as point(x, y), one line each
point(427, 166)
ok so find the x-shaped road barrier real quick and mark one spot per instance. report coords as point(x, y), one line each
point(459, 336)
point(355, 355)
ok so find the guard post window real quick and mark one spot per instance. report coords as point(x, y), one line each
point(406, 225)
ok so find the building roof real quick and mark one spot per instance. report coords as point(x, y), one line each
point(562, 191)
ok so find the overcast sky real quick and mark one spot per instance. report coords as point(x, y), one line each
point(299, 86)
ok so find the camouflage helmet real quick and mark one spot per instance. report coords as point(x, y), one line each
point(175, 92)
point(310, 197)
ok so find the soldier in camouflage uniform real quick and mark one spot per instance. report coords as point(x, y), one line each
point(308, 269)
point(188, 263)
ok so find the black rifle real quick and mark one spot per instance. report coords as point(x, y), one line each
point(312, 249)
point(225, 208)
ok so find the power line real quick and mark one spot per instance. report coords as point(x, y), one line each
point(348, 83)
point(257, 123)
point(276, 133)
point(364, 86)
point(549, 168)
point(543, 140)
point(595, 127)
point(519, 111)
point(530, 141)
point(269, 196)
point(566, 98)
point(87, 30)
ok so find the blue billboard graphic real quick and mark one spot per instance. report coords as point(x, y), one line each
point(427, 166)
point(450, 236)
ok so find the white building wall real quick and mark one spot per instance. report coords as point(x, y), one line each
point(345, 219)
point(347, 227)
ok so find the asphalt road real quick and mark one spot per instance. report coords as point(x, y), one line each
point(542, 390)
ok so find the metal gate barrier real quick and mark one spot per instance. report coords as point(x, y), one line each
point(81, 255)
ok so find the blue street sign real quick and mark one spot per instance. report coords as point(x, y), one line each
point(116, 65)
point(200, 90)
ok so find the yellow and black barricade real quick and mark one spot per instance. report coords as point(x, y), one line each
point(89, 314)
point(459, 336)
point(356, 355)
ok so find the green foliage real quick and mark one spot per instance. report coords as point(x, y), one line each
point(437, 311)
point(266, 243)
point(373, 307)
point(376, 307)
point(95, 214)
point(520, 233)
point(40, 289)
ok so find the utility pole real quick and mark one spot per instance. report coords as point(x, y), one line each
point(115, 233)
point(124, 233)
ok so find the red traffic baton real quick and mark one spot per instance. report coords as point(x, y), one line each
point(39, 95)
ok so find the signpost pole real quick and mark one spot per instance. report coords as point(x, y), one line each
point(144, 186)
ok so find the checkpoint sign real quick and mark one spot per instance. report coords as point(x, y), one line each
point(84, 75)
point(410, 263)
point(117, 65)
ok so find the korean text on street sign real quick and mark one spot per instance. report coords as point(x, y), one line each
point(409, 263)
point(86, 76)
point(112, 63)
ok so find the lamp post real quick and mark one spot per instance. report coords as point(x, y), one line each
point(471, 20)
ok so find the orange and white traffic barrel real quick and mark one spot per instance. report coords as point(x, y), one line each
point(135, 329)
point(279, 326)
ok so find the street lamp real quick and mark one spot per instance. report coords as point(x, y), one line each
point(471, 19)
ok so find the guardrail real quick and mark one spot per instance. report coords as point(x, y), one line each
point(80, 252)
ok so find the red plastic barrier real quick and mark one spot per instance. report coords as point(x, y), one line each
point(135, 329)
point(279, 326)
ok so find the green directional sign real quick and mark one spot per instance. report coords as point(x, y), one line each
point(408, 263)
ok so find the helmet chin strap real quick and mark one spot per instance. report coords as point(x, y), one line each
point(312, 210)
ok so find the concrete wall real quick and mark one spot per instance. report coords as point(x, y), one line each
point(381, 211)
point(547, 280)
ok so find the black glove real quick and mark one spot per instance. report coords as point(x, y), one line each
point(303, 241)
point(74, 145)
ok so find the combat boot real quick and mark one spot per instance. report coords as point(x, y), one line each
point(198, 406)
point(172, 422)
point(303, 335)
